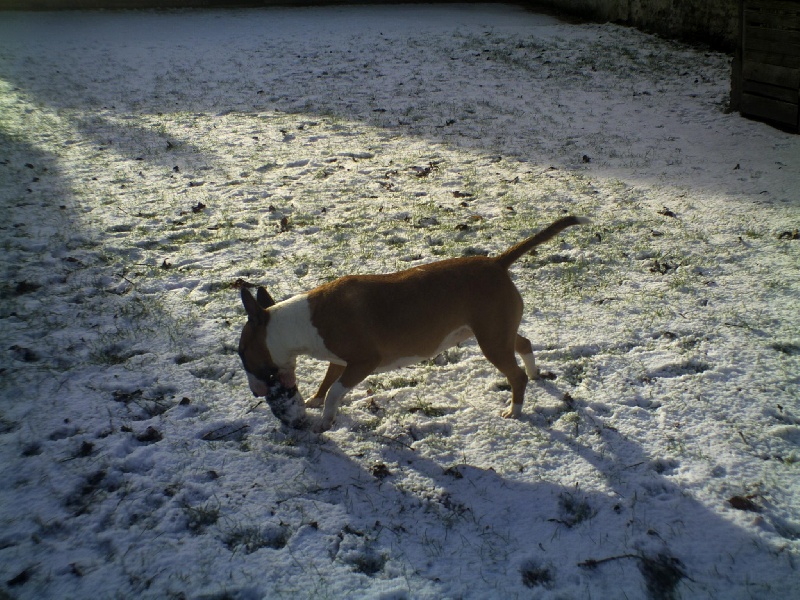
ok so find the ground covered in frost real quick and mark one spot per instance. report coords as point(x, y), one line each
point(154, 162)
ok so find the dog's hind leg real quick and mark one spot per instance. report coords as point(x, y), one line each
point(334, 372)
point(525, 350)
point(501, 354)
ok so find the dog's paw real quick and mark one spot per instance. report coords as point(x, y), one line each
point(315, 402)
point(513, 412)
point(322, 425)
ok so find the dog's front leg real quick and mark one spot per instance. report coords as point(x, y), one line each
point(332, 400)
point(352, 375)
point(334, 372)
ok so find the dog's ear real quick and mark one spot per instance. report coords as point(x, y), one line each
point(251, 306)
point(264, 299)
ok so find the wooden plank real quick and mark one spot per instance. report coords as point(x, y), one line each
point(774, 20)
point(761, 21)
point(771, 91)
point(785, 5)
point(772, 6)
point(776, 44)
point(783, 36)
point(780, 76)
point(773, 110)
point(771, 58)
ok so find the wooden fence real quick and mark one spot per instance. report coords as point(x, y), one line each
point(766, 68)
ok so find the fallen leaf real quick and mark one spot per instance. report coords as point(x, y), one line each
point(667, 213)
point(150, 436)
point(743, 503)
point(380, 471)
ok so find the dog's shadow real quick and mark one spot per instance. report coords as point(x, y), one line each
point(617, 525)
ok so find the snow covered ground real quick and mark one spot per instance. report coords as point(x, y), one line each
point(153, 162)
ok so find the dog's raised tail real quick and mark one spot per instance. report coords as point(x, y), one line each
point(507, 258)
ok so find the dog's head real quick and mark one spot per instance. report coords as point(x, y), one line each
point(263, 375)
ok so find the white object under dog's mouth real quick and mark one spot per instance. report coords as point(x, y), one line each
point(288, 406)
point(286, 403)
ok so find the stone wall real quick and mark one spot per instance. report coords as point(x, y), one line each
point(712, 21)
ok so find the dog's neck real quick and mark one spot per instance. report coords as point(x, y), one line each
point(291, 333)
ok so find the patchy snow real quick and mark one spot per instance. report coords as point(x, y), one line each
point(152, 160)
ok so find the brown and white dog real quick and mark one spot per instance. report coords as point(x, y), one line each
point(362, 324)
